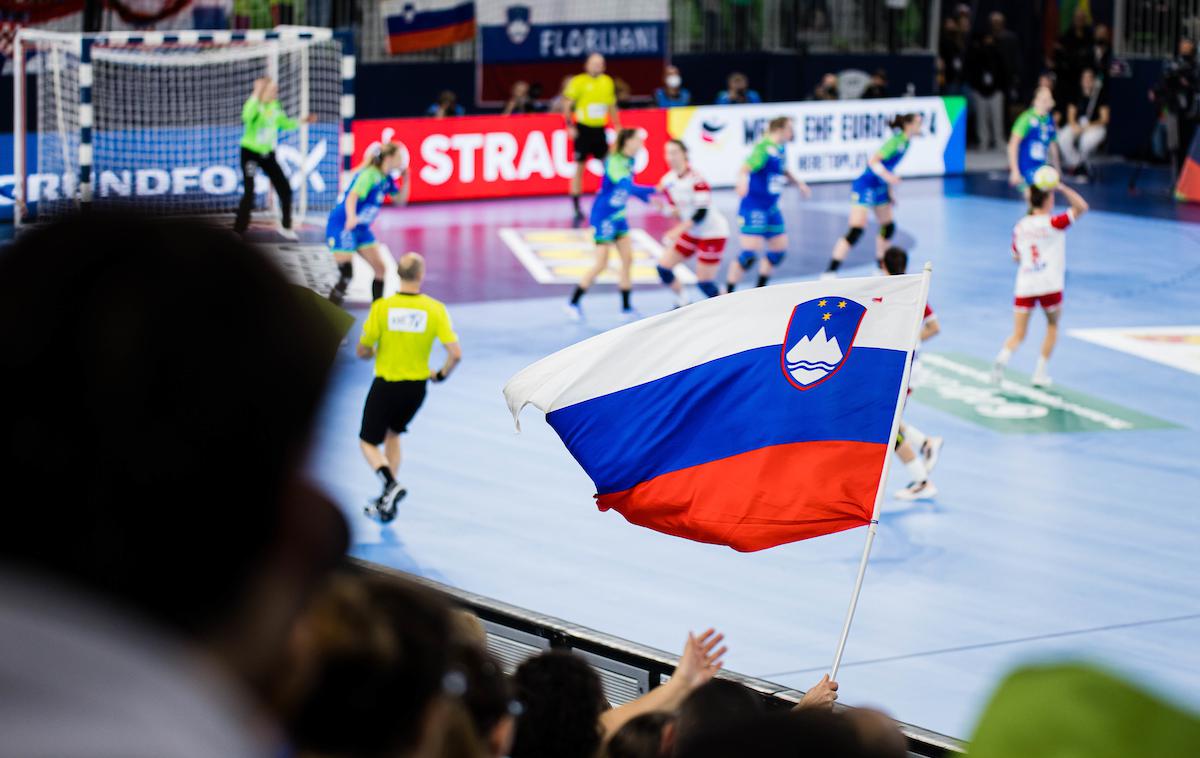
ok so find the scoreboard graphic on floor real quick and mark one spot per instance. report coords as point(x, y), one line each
point(562, 256)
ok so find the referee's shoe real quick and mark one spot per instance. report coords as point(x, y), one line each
point(388, 501)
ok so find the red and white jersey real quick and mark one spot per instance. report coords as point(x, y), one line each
point(689, 192)
point(1040, 246)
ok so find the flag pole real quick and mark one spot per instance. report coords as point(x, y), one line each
point(887, 462)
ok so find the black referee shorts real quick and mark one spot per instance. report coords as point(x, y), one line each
point(390, 406)
point(590, 140)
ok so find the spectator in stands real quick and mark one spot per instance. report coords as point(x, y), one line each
point(878, 86)
point(1102, 54)
point(1073, 55)
point(672, 93)
point(963, 17)
point(520, 100)
point(557, 103)
point(952, 54)
point(1177, 95)
point(482, 719)
point(986, 74)
point(738, 91)
point(192, 372)
point(1087, 124)
point(827, 88)
point(651, 735)
point(446, 105)
point(1010, 51)
point(564, 713)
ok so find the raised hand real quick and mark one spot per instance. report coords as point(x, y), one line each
point(701, 659)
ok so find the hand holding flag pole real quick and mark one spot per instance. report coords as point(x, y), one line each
point(871, 528)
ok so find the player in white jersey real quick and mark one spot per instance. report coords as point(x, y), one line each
point(701, 230)
point(1039, 247)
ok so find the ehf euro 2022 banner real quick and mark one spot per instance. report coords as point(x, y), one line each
point(542, 41)
point(519, 156)
point(833, 140)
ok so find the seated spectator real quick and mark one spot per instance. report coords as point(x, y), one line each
point(827, 88)
point(482, 720)
point(738, 91)
point(446, 105)
point(1087, 124)
point(651, 735)
point(672, 93)
point(375, 658)
point(520, 100)
point(143, 616)
point(564, 713)
point(877, 87)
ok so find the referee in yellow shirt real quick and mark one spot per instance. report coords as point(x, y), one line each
point(399, 334)
point(592, 98)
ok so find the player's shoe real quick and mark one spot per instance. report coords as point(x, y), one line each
point(1041, 380)
point(573, 311)
point(682, 299)
point(286, 233)
point(337, 295)
point(917, 491)
point(827, 275)
point(931, 451)
point(387, 510)
point(578, 220)
point(997, 373)
point(377, 505)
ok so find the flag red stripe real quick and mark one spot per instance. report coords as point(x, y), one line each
point(447, 35)
point(762, 498)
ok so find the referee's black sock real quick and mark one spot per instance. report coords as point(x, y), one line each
point(578, 295)
point(762, 280)
point(376, 289)
point(385, 474)
point(834, 264)
point(625, 295)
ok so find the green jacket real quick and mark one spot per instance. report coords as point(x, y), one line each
point(263, 122)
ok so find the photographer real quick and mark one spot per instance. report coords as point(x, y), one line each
point(1176, 97)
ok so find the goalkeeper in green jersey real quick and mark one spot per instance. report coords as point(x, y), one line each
point(263, 117)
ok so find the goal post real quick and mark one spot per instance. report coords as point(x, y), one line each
point(153, 119)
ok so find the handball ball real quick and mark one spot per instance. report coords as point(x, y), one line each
point(1045, 178)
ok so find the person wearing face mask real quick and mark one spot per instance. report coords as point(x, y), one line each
point(672, 93)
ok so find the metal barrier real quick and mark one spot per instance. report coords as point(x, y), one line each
point(627, 670)
point(1151, 29)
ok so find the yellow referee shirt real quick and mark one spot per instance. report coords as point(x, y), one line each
point(594, 97)
point(403, 328)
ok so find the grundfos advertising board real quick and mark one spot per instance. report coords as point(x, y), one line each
point(496, 156)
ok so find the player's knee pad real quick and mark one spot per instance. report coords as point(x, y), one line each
point(747, 258)
point(887, 230)
point(853, 235)
point(666, 274)
point(709, 288)
point(775, 256)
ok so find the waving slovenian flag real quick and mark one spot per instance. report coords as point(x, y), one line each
point(748, 420)
point(414, 25)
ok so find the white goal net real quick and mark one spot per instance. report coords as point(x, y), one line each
point(155, 119)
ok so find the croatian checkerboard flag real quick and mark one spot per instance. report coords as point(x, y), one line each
point(749, 420)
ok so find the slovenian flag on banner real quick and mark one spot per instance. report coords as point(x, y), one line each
point(423, 24)
point(749, 420)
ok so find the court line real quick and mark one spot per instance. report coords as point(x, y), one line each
point(984, 645)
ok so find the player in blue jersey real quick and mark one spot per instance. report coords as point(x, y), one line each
point(760, 182)
point(1033, 142)
point(349, 227)
point(608, 221)
point(873, 190)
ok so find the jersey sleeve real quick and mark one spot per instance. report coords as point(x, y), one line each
point(371, 327)
point(701, 194)
point(891, 147)
point(1061, 221)
point(250, 109)
point(1022, 125)
point(445, 328)
point(283, 122)
point(758, 156)
point(363, 184)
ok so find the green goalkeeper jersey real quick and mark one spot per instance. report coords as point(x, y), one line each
point(263, 122)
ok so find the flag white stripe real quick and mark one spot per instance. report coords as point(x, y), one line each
point(671, 342)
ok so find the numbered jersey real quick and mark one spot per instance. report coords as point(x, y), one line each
point(1040, 246)
point(768, 173)
point(689, 193)
point(1037, 133)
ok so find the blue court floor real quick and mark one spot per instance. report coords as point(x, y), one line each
point(1049, 545)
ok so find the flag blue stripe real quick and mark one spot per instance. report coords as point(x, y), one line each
point(424, 21)
point(725, 407)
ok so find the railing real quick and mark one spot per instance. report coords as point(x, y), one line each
point(1152, 28)
point(627, 670)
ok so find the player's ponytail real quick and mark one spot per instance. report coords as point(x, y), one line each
point(901, 120)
